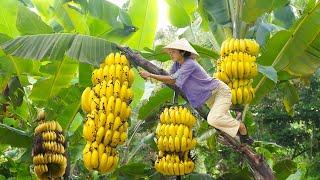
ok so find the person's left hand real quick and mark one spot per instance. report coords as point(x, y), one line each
point(144, 74)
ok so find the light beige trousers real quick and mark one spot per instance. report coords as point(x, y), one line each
point(219, 115)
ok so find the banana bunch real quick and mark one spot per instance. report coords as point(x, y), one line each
point(100, 157)
point(231, 45)
point(237, 67)
point(49, 151)
point(107, 107)
point(174, 136)
point(173, 165)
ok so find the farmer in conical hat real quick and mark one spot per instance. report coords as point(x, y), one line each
point(200, 88)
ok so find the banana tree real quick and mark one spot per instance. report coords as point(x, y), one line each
point(76, 36)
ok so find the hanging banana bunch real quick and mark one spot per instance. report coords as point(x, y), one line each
point(237, 67)
point(107, 108)
point(49, 150)
point(174, 137)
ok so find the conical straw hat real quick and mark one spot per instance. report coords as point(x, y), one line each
point(181, 44)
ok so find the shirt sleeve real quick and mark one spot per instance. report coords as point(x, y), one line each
point(182, 74)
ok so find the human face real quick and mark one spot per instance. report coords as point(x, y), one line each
point(175, 54)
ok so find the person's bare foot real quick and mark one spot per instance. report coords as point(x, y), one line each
point(242, 129)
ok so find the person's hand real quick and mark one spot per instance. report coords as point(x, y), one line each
point(144, 74)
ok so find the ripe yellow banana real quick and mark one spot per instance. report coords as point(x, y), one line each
point(239, 95)
point(228, 69)
point(116, 89)
point(123, 92)
point(235, 83)
point(247, 70)
point(170, 168)
point(109, 121)
point(242, 45)
point(123, 110)
point(186, 131)
point(165, 143)
point(107, 137)
point(240, 67)
point(85, 105)
point(110, 59)
point(181, 168)
point(94, 161)
point(110, 162)
point(234, 96)
point(117, 59)
point(115, 139)
point(176, 143)
point(230, 45)
point(131, 76)
point(180, 131)
point(110, 105)
point(100, 134)
point(101, 149)
point(183, 144)
point(105, 72)
point(160, 143)
point(112, 72)
point(109, 89)
point(117, 107)
point(118, 73)
point(123, 138)
point(236, 46)
point(124, 61)
point(246, 95)
point(177, 117)
point(103, 163)
point(171, 144)
point(117, 123)
point(235, 69)
point(89, 130)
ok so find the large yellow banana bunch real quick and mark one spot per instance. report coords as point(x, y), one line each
point(49, 156)
point(237, 67)
point(107, 105)
point(174, 135)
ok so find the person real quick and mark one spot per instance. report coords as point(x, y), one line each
point(200, 88)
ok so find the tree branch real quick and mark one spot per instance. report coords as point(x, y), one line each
point(258, 164)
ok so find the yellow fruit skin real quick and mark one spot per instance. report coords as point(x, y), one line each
point(94, 159)
point(85, 100)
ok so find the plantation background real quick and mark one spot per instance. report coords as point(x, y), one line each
point(49, 49)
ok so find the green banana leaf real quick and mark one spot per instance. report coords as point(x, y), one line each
point(83, 48)
point(60, 75)
point(178, 15)
point(29, 22)
point(14, 137)
point(9, 10)
point(144, 16)
point(255, 8)
point(296, 51)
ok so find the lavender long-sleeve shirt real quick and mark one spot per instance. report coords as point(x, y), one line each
point(193, 81)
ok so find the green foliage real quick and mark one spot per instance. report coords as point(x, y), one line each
point(178, 15)
point(60, 74)
point(86, 49)
point(8, 17)
point(254, 8)
point(14, 137)
point(29, 22)
point(144, 15)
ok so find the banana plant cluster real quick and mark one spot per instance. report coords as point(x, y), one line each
point(49, 151)
point(107, 105)
point(237, 67)
point(174, 141)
